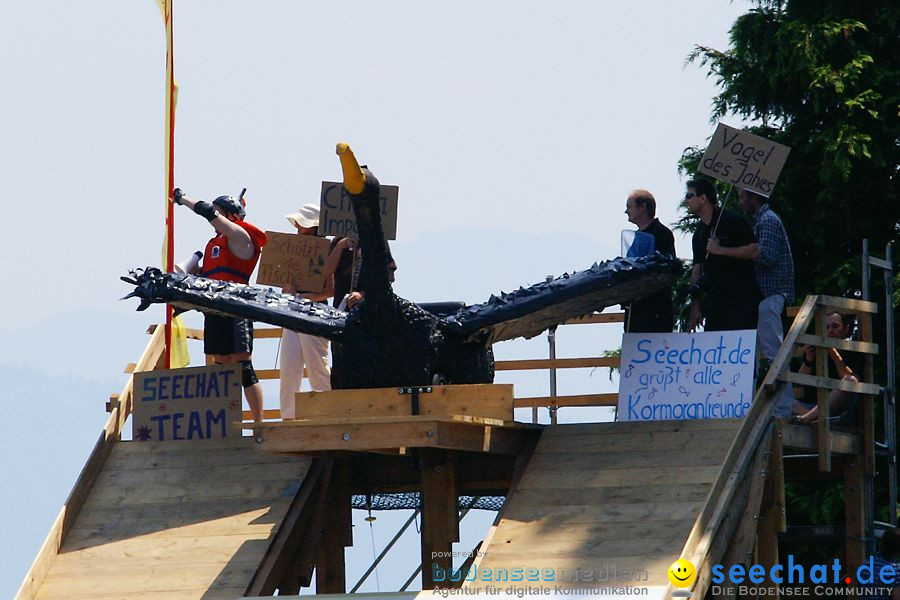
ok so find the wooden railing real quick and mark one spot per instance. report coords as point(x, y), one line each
point(577, 400)
point(611, 399)
point(749, 450)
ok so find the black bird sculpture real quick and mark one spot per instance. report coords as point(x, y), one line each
point(387, 341)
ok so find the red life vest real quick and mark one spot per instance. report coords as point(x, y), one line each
point(220, 263)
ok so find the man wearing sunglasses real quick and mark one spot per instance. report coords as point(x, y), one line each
point(724, 248)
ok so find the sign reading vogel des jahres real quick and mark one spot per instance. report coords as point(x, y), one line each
point(665, 376)
point(743, 159)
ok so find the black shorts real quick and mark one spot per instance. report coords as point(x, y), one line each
point(227, 335)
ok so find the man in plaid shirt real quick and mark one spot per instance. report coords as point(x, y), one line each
point(775, 276)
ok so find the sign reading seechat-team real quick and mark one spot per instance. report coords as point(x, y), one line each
point(666, 376)
point(197, 403)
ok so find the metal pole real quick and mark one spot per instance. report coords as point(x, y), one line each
point(551, 340)
point(865, 269)
point(869, 485)
point(385, 551)
point(890, 423)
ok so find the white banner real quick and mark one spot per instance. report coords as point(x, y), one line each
point(674, 376)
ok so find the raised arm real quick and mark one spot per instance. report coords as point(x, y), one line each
point(239, 241)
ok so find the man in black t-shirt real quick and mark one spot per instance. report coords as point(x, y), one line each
point(654, 312)
point(724, 248)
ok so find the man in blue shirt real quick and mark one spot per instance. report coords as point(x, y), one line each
point(775, 277)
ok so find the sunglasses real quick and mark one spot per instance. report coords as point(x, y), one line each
point(689, 195)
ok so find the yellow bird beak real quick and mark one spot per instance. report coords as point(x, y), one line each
point(354, 178)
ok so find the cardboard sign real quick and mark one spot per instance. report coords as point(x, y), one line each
point(744, 160)
point(677, 376)
point(336, 214)
point(197, 403)
point(293, 259)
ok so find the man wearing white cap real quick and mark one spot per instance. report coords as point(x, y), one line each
point(299, 349)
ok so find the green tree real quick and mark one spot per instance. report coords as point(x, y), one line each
point(823, 77)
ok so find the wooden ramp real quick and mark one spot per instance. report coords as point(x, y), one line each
point(175, 520)
point(608, 504)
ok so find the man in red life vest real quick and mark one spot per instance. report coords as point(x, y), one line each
point(230, 256)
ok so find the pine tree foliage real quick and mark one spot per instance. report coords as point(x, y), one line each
point(823, 77)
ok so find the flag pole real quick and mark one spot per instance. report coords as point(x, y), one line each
point(170, 170)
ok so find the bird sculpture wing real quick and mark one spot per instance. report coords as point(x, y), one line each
point(529, 311)
point(236, 300)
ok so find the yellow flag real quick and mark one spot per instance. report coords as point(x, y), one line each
point(179, 357)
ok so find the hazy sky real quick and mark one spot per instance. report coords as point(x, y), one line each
point(514, 130)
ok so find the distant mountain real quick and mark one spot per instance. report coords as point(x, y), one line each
point(49, 427)
point(93, 345)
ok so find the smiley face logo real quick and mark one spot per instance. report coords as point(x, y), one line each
point(682, 573)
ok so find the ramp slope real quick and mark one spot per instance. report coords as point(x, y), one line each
point(607, 504)
point(175, 520)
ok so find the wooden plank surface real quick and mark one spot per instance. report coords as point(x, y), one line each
point(107, 440)
point(592, 477)
point(594, 495)
point(179, 520)
point(638, 440)
point(584, 496)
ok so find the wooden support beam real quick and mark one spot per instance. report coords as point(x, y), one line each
point(518, 471)
point(268, 414)
point(575, 400)
point(440, 521)
point(556, 363)
point(848, 304)
point(266, 332)
point(825, 383)
point(331, 575)
point(865, 347)
point(740, 548)
point(455, 432)
point(867, 404)
point(616, 317)
point(737, 524)
point(855, 517)
point(493, 401)
point(772, 513)
point(276, 570)
point(804, 437)
point(823, 426)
